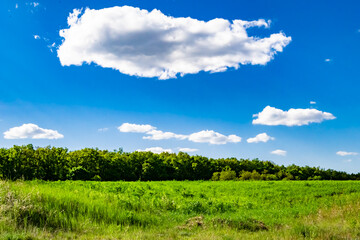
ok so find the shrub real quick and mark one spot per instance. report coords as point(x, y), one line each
point(255, 175)
point(245, 175)
point(215, 176)
point(227, 175)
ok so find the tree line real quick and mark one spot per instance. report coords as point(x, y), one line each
point(56, 163)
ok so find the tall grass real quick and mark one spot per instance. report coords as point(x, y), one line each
point(171, 210)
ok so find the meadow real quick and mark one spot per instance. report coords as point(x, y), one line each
point(180, 210)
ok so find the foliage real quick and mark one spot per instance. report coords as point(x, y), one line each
point(52, 163)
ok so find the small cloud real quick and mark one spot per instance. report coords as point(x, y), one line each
point(328, 60)
point(36, 37)
point(103, 129)
point(209, 136)
point(135, 128)
point(188, 150)
point(343, 153)
point(262, 137)
point(348, 160)
point(31, 131)
point(279, 152)
point(16, 6)
point(293, 117)
point(155, 150)
point(160, 135)
point(312, 102)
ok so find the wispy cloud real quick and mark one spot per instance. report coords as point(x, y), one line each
point(150, 44)
point(103, 129)
point(344, 153)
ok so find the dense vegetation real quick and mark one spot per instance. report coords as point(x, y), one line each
point(51, 163)
point(180, 210)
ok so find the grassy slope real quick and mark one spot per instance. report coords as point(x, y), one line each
point(177, 210)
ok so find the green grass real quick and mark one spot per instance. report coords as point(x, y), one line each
point(180, 210)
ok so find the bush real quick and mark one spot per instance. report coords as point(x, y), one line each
point(215, 176)
point(245, 176)
point(271, 177)
point(255, 175)
point(227, 175)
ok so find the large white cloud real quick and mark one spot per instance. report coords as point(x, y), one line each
point(343, 153)
point(209, 136)
point(293, 117)
point(279, 152)
point(138, 128)
point(31, 131)
point(205, 136)
point(155, 150)
point(150, 44)
point(262, 137)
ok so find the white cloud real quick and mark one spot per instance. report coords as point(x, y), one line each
point(16, 6)
point(205, 136)
point(312, 102)
point(137, 128)
point(209, 136)
point(31, 131)
point(160, 135)
point(328, 60)
point(293, 117)
point(279, 152)
point(343, 153)
point(36, 37)
point(150, 44)
point(262, 137)
point(155, 150)
point(160, 150)
point(188, 150)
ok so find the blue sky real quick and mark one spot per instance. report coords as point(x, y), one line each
point(319, 64)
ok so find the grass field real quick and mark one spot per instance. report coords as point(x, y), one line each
point(180, 210)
